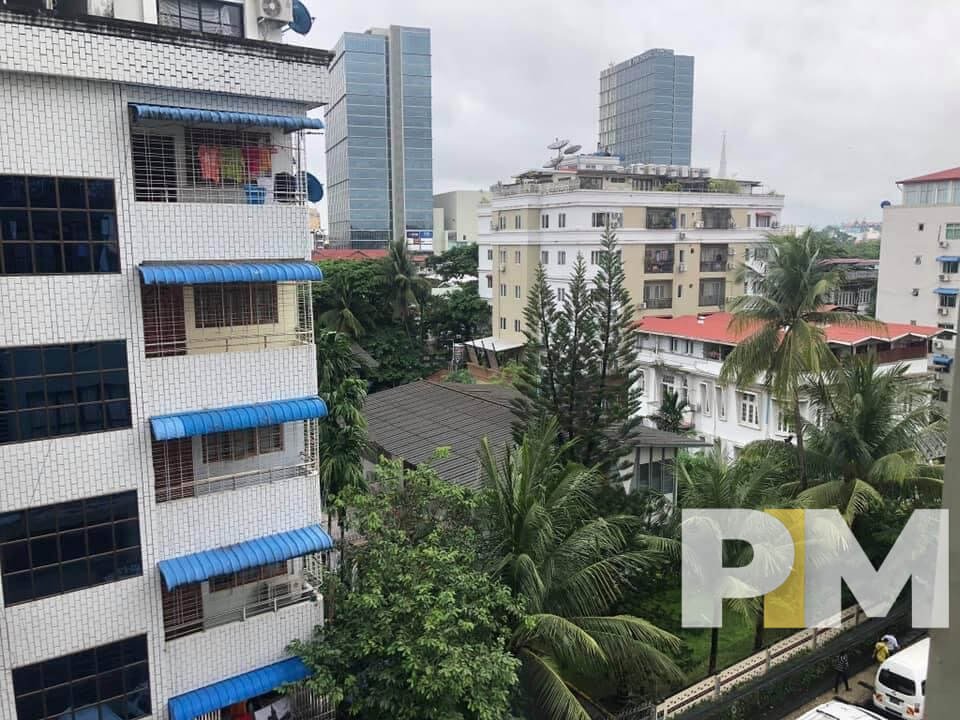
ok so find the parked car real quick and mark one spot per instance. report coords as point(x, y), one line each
point(836, 710)
point(901, 682)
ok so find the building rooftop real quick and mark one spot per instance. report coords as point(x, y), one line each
point(951, 174)
point(715, 328)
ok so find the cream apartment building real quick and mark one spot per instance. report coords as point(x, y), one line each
point(681, 241)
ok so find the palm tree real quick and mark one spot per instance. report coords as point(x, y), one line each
point(753, 481)
point(869, 445)
point(406, 288)
point(670, 416)
point(343, 318)
point(335, 360)
point(570, 568)
point(785, 319)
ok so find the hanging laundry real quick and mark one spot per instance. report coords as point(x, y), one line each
point(210, 162)
point(251, 157)
point(231, 164)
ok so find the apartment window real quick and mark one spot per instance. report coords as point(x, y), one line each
point(688, 347)
point(946, 326)
point(164, 326)
point(517, 222)
point(53, 226)
point(173, 476)
point(704, 393)
point(941, 395)
point(661, 218)
point(503, 323)
point(712, 292)
point(516, 326)
point(56, 549)
point(52, 390)
point(489, 281)
point(544, 257)
point(248, 576)
point(561, 294)
point(241, 444)
point(948, 301)
point(667, 384)
point(748, 409)
point(674, 344)
point(502, 222)
point(545, 221)
point(641, 382)
point(561, 257)
point(917, 259)
point(784, 420)
point(601, 219)
point(679, 290)
point(952, 231)
point(112, 680)
point(763, 221)
point(490, 254)
point(503, 289)
point(950, 267)
point(154, 167)
point(920, 227)
point(658, 473)
point(516, 291)
point(596, 257)
point(516, 257)
point(503, 256)
point(561, 220)
point(721, 402)
point(230, 305)
point(207, 16)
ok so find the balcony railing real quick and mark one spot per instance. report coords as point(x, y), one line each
point(910, 352)
point(660, 303)
point(712, 301)
point(713, 266)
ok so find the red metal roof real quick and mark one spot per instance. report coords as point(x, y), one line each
point(347, 254)
point(716, 328)
point(951, 174)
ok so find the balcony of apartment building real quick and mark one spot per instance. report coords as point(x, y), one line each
point(658, 259)
point(232, 584)
point(661, 218)
point(191, 309)
point(716, 258)
point(658, 295)
point(910, 348)
point(712, 293)
point(211, 451)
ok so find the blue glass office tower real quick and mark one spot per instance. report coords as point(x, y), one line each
point(646, 108)
point(379, 138)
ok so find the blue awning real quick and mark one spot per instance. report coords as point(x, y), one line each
point(944, 360)
point(201, 566)
point(237, 417)
point(223, 117)
point(946, 291)
point(205, 273)
point(948, 258)
point(236, 689)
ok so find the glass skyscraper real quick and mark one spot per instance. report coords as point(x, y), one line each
point(379, 139)
point(646, 108)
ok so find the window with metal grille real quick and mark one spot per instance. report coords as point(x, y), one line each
point(182, 610)
point(235, 304)
point(53, 390)
point(154, 167)
point(240, 444)
point(173, 476)
point(250, 575)
point(749, 414)
point(207, 16)
point(103, 679)
point(164, 326)
point(53, 226)
point(56, 549)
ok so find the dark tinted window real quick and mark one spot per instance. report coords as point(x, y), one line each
point(209, 16)
point(57, 225)
point(897, 683)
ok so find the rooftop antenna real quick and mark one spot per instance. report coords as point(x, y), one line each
point(561, 146)
point(723, 156)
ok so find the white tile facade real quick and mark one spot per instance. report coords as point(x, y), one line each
point(63, 112)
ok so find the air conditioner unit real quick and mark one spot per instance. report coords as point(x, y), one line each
point(943, 243)
point(643, 306)
point(279, 11)
point(683, 235)
point(944, 277)
point(731, 251)
point(915, 292)
point(682, 267)
point(943, 311)
point(731, 266)
point(938, 344)
point(503, 268)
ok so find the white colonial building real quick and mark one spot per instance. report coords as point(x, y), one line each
point(685, 354)
point(160, 509)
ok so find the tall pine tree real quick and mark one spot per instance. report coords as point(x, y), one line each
point(580, 362)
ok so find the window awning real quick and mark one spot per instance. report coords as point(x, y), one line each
point(206, 273)
point(236, 689)
point(288, 123)
point(946, 291)
point(237, 417)
point(948, 258)
point(201, 566)
point(943, 360)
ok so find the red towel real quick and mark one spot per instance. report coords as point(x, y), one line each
point(257, 160)
point(210, 162)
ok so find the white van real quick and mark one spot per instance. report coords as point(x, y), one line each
point(836, 710)
point(901, 681)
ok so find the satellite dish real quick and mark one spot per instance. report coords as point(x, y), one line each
point(556, 145)
point(302, 22)
point(885, 204)
point(571, 150)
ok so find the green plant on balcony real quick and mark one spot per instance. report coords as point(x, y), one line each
point(724, 185)
point(673, 186)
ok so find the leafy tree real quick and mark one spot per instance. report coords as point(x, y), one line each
point(400, 357)
point(580, 363)
point(869, 445)
point(670, 416)
point(785, 320)
point(344, 316)
point(421, 630)
point(460, 376)
point(724, 185)
point(457, 261)
point(869, 250)
point(457, 316)
point(365, 280)
point(570, 568)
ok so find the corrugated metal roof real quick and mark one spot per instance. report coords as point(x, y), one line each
point(247, 272)
point(951, 174)
point(236, 689)
point(237, 417)
point(142, 111)
point(201, 566)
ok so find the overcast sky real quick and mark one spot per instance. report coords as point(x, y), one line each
point(827, 102)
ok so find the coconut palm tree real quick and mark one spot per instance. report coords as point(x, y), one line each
point(670, 414)
point(570, 567)
point(784, 323)
point(406, 287)
point(344, 317)
point(869, 445)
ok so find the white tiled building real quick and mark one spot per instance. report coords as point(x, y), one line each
point(685, 354)
point(158, 391)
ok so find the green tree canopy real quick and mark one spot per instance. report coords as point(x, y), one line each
point(458, 261)
point(421, 631)
point(671, 415)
